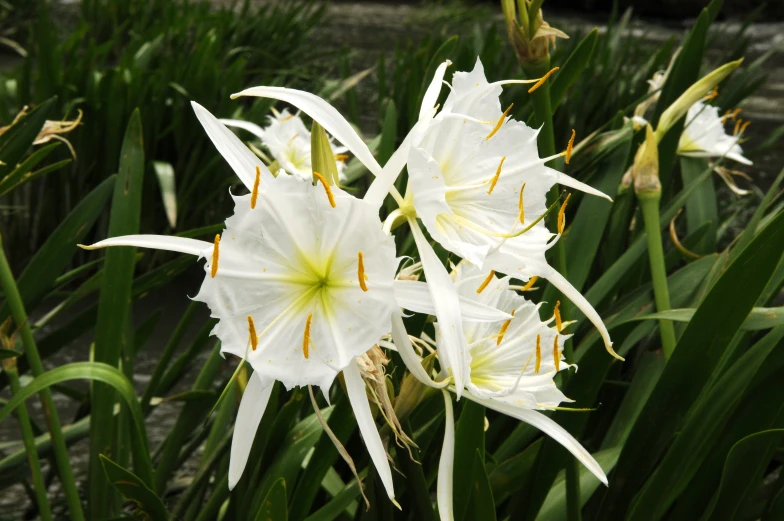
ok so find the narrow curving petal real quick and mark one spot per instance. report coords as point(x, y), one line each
point(414, 295)
point(571, 182)
point(244, 125)
point(454, 355)
point(565, 287)
point(237, 155)
point(157, 242)
point(355, 387)
point(549, 427)
point(252, 406)
point(432, 92)
point(409, 356)
point(325, 114)
point(446, 464)
point(383, 183)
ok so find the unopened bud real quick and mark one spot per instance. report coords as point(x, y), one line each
point(692, 95)
point(645, 170)
point(529, 34)
point(322, 158)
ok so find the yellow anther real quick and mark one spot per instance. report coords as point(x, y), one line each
point(361, 272)
point(738, 123)
point(485, 282)
point(520, 206)
point(502, 332)
point(712, 94)
point(327, 188)
point(215, 253)
point(341, 157)
point(306, 337)
point(556, 355)
point(557, 313)
point(500, 122)
point(287, 118)
point(538, 354)
point(530, 283)
point(743, 127)
point(254, 340)
point(255, 193)
point(570, 147)
point(496, 176)
point(562, 215)
point(542, 80)
point(735, 113)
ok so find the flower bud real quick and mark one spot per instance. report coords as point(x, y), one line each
point(530, 35)
point(412, 391)
point(645, 170)
point(692, 95)
point(322, 157)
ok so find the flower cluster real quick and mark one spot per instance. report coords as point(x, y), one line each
point(306, 283)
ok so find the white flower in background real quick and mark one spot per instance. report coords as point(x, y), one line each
point(513, 363)
point(302, 282)
point(467, 168)
point(288, 141)
point(704, 134)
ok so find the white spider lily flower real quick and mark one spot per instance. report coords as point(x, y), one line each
point(513, 363)
point(704, 134)
point(288, 141)
point(302, 282)
point(447, 305)
point(479, 186)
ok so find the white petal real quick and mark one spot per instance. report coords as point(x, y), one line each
point(446, 464)
point(158, 242)
point(739, 158)
point(325, 114)
point(382, 183)
point(454, 356)
point(432, 92)
point(549, 427)
point(571, 182)
point(254, 401)
point(415, 296)
point(565, 287)
point(355, 387)
point(234, 151)
point(244, 125)
point(409, 356)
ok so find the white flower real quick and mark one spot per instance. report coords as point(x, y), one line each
point(452, 164)
point(704, 134)
point(288, 140)
point(513, 363)
point(480, 187)
point(302, 282)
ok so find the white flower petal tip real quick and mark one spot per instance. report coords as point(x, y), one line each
point(565, 287)
point(252, 406)
point(571, 182)
point(237, 155)
point(157, 242)
point(325, 114)
point(355, 387)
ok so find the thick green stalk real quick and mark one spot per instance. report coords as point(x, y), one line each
point(14, 300)
point(28, 438)
point(573, 490)
point(649, 202)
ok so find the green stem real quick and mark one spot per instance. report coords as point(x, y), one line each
point(14, 300)
point(649, 202)
point(9, 366)
point(573, 490)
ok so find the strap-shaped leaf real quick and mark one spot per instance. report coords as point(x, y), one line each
point(134, 489)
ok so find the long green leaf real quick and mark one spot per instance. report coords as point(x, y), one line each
point(274, 505)
point(469, 438)
point(699, 350)
point(744, 468)
point(134, 489)
point(94, 371)
point(113, 311)
point(570, 71)
point(18, 139)
point(757, 319)
point(701, 207)
point(54, 255)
